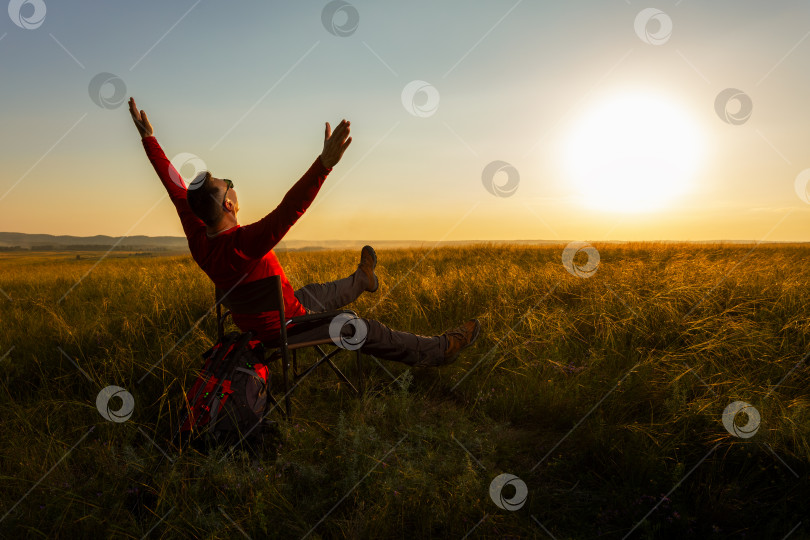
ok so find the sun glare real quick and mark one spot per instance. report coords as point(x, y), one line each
point(632, 153)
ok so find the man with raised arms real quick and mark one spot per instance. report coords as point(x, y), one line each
point(232, 254)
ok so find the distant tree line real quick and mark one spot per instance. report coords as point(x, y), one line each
point(80, 247)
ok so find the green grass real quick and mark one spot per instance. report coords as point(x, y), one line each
point(700, 326)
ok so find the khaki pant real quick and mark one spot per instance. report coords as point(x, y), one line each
point(380, 341)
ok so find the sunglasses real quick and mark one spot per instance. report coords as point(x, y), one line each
point(230, 185)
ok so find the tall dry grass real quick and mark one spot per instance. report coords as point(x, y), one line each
point(602, 394)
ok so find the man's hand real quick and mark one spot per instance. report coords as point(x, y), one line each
point(334, 144)
point(140, 119)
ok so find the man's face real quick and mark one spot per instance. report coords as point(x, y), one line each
point(231, 201)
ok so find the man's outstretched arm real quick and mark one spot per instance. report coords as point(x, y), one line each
point(256, 239)
point(169, 176)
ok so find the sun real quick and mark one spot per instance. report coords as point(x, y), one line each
point(632, 152)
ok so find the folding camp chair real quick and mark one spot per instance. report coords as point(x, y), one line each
point(265, 295)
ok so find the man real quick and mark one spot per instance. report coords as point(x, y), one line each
point(231, 254)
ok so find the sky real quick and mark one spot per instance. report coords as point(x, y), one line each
point(492, 120)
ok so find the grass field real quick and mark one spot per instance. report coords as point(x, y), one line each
point(603, 394)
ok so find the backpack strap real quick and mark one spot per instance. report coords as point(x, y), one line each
point(252, 373)
point(212, 365)
point(217, 370)
point(230, 365)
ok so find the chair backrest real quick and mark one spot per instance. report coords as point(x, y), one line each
point(253, 297)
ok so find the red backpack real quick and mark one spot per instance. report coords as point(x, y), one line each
point(228, 401)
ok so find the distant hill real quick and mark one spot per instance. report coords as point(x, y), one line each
point(49, 242)
point(14, 241)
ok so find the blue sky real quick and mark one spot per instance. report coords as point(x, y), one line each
point(247, 87)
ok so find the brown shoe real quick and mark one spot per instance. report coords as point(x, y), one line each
point(460, 338)
point(368, 261)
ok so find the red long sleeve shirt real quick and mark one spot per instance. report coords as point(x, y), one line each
point(242, 254)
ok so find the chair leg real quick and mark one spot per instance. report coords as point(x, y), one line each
point(275, 404)
point(287, 405)
point(325, 358)
point(341, 376)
